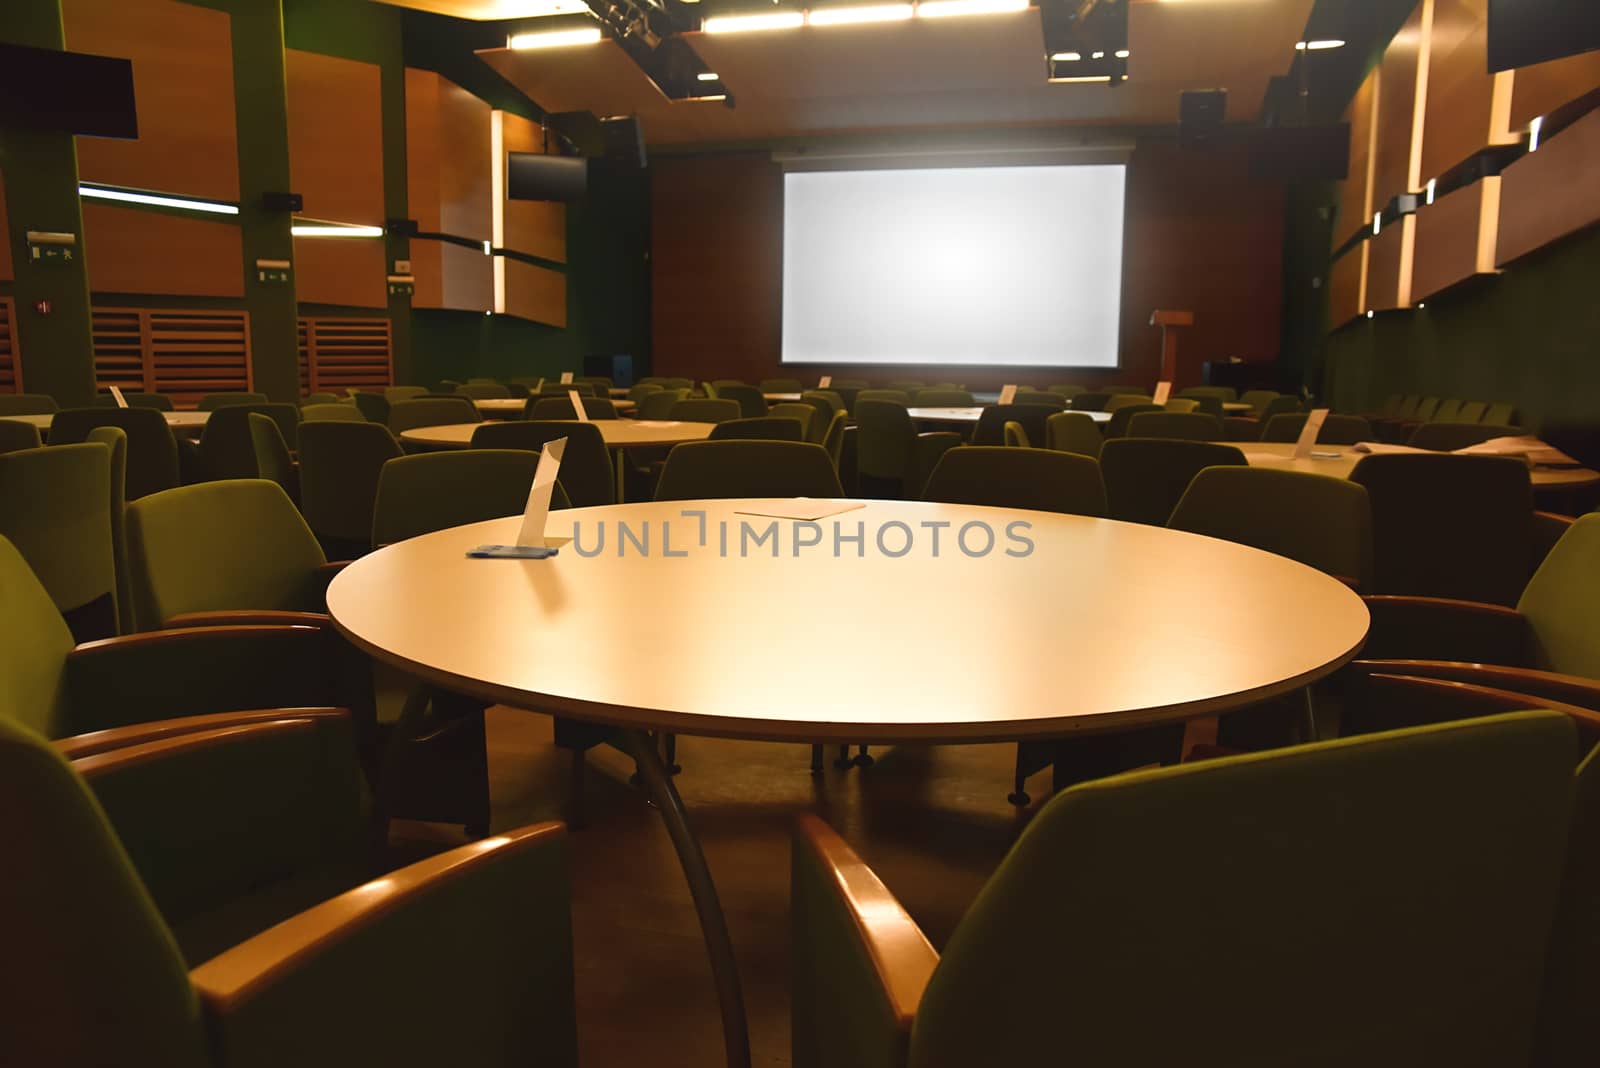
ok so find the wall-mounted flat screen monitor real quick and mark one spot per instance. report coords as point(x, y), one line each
point(70, 92)
point(534, 176)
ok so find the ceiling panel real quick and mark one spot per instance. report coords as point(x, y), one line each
point(477, 10)
point(982, 70)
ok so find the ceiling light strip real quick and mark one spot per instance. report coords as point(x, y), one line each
point(156, 200)
point(555, 38)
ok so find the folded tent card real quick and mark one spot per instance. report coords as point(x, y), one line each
point(577, 407)
point(1163, 391)
point(1008, 394)
point(825, 381)
point(566, 378)
point(116, 395)
point(531, 543)
point(1308, 433)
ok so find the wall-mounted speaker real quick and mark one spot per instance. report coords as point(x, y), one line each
point(1200, 115)
point(623, 137)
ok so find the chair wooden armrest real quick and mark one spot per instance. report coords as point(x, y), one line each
point(246, 618)
point(1547, 689)
point(861, 963)
point(462, 958)
point(1438, 628)
point(94, 743)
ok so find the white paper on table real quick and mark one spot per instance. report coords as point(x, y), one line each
point(1308, 433)
point(577, 406)
point(566, 378)
point(825, 381)
point(802, 508)
point(1008, 394)
point(1383, 448)
point(657, 422)
point(1539, 453)
point(544, 481)
point(116, 395)
point(1163, 391)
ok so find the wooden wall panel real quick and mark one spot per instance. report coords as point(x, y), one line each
point(7, 272)
point(536, 227)
point(183, 81)
point(1355, 192)
point(1383, 267)
point(448, 176)
point(10, 351)
point(1543, 87)
point(130, 251)
point(1396, 108)
point(1455, 238)
point(1459, 116)
point(1553, 192)
point(535, 293)
point(336, 164)
point(1344, 288)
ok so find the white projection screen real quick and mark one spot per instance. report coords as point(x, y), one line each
point(1007, 265)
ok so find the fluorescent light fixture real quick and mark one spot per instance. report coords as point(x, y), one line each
point(556, 38)
point(1422, 304)
point(315, 229)
point(713, 96)
point(157, 200)
point(1067, 57)
point(707, 76)
point(1369, 313)
point(1533, 133)
point(1377, 221)
point(844, 16)
point(1433, 183)
point(1082, 78)
point(546, 8)
point(774, 20)
point(937, 9)
point(1321, 45)
point(1097, 55)
point(1122, 53)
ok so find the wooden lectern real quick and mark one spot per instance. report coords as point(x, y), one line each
point(1168, 321)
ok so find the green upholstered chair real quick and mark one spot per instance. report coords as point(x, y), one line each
point(804, 414)
point(1208, 404)
point(1450, 526)
point(15, 435)
point(752, 405)
point(1118, 401)
point(1323, 522)
point(400, 393)
point(27, 404)
point(1258, 400)
point(1250, 427)
point(108, 881)
point(1336, 429)
point(214, 401)
point(706, 410)
point(602, 385)
point(1121, 388)
point(1448, 437)
point(1073, 432)
point(561, 389)
point(1471, 411)
point(430, 411)
point(825, 402)
point(990, 428)
point(1067, 389)
point(114, 439)
point(850, 383)
point(1037, 479)
point(227, 449)
point(1500, 415)
point(1449, 411)
point(639, 392)
point(845, 392)
point(159, 401)
point(1181, 404)
point(907, 386)
point(1117, 426)
point(152, 450)
point(1146, 477)
point(766, 428)
point(658, 406)
point(374, 406)
point(833, 437)
point(891, 453)
point(1426, 409)
point(1014, 434)
point(781, 385)
point(56, 511)
point(272, 455)
point(586, 471)
point(444, 387)
point(319, 397)
point(1225, 394)
point(719, 383)
point(331, 413)
point(1087, 401)
point(709, 470)
point(1041, 396)
point(893, 396)
point(484, 391)
point(339, 467)
point(432, 491)
point(1181, 426)
point(942, 398)
point(545, 408)
point(1338, 860)
point(1572, 972)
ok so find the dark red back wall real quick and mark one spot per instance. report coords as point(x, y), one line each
point(1200, 235)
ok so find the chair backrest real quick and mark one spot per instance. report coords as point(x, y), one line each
point(561, 408)
point(850, 383)
point(484, 391)
point(27, 404)
point(601, 384)
point(703, 470)
point(339, 468)
point(331, 413)
point(16, 435)
point(1500, 414)
point(223, 546)
point(1425, 409)
point(1226, 394)
point(435, 490)
point(706, 410)
point(159, 401)
point(1067, 389)
point(893, 396)
point(212, 402)
point(885, 439)
point(430, 411)
point(1449, 526)
point(152, 450)
point(1208, 404)
point(767, 428)
point(1572, 977)
point(990, 428)
point(1391, 405)
point(1339, 859)
point(34, 643)
point(1041, 480)
point(1472, 411)
point(640, 391)
point(826, 402)
point(114, 439)
point(1118, 425)
point(1073, 432)
point(55, 507)
point(272, 455)
point(907, 386)
point(1258, 398)
point(1181, 404)
point(1039, 396)
point(659, 405)
point(443, 386)
point(321, 396)
point(226, 447)
point(560, 389)
point(1087, 401)
point(1562, 602)
point(1146, 477)
point(400, 393)
point(1449, 411)
point(752, 405)
point(1336, 429)
point(804, 414)
point(1277, 406)
point(833, 437)
point(374, 406)
point(1447, 437)
point(586, 470)
point(1323, 522)
point(943, 398)
point(1118, 401)
point(1185, 426)
point(1015, 436)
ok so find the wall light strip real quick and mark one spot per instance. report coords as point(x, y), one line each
point(1433, 184)
point(933, 9)
point(1318, 46)
point(1080, 78)
point(776, 20)
point(844, 16)
point(555, 38)
point(1377, 221)
point(1067, 57)
point(310, 229)
point(1533, 133)
point(157, 200)
point(707, 76)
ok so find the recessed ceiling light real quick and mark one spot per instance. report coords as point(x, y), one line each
point(556, 38)
point(1097, 55)
point(1121, 53)
point(707, 76)
point(934, 9)
point(1320, 45)
point(1067, 57)
point(1084, 78)
point(843, 16)
point(775, 20)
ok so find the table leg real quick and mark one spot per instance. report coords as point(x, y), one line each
point(1309, 724)
point(713, 924)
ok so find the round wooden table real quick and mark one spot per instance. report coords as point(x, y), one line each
point(1237, 407)
point(900, 664)
point(780, 398)
point(1281, 456)
point(972, 415)
point(618, 433)
point(182, 422)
